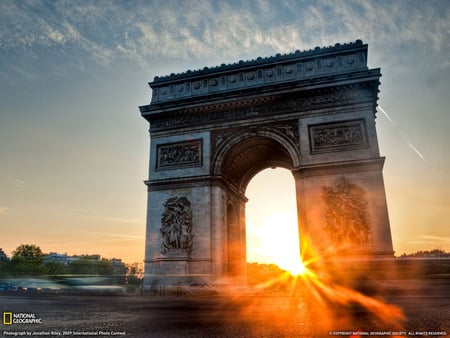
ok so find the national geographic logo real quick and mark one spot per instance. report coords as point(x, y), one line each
point(7, 318)
point(10, 318)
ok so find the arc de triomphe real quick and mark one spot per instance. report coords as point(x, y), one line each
point(212, 130)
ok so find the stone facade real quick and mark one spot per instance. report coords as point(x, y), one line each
point(212, 130)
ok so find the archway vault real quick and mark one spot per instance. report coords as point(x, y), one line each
point(249, 153)
point(212, 130)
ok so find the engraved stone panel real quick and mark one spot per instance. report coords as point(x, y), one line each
point(346, 216)
point(176, 227)
point(179, 155)
point(338, 136)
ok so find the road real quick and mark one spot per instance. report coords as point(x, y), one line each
point(409, 307)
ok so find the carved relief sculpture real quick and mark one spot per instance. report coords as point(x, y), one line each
point(180, 154)
point(346, 217)
point(176, 226)
point(337, 136)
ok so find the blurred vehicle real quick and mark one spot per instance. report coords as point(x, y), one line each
point(195, 289)
point(92, 286)
point(29, 286)
point(3, 286)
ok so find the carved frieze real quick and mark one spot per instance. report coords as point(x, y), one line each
point(261, 108)
point(176, 227)
point(346, 216)
point(335, 98)
point(337, 136)
point(179, 155)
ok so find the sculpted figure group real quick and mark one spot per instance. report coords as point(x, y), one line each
point(176, 226)
point(346, 217)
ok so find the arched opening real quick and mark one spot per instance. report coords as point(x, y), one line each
point(237, 163)
point(271, 220)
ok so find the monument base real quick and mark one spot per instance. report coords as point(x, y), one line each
point(175, 270)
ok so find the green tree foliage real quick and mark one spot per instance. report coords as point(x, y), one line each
point(135, 274)
point(26, 260)
point(89, 266)
point(120, 272)
point(4, 268)
point(435, 253)
point(55, 269)
point(28, 250)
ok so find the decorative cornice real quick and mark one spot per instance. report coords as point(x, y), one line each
point(262, 72)
point(192, 182)
point(339, 168)
point(258, 61)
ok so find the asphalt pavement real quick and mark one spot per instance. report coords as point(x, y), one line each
point(407, 308)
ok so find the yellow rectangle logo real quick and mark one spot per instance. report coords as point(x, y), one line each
point(7, 318)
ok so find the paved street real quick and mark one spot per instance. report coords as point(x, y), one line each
point(425, 306)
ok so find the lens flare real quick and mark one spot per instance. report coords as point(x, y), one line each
point(297, 268)
point(318, 296)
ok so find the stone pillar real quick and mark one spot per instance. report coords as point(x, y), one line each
point(342, 210)
point(179, 210)
point(178, 244)
point(340, 190)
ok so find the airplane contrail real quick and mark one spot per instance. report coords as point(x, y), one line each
point(413, 148)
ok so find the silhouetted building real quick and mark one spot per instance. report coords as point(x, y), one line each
point(56, 257)
point(66, 259)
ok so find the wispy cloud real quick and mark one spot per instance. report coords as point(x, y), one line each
point(5, 210)
point(117, 219)
point(19, 182)
point(432, 240)
point(99, 215)
point(437, 239)
point(107, 32)
point(116, 236)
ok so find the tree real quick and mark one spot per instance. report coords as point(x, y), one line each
point(135, 274)
point(104, 268)
point(30, 251)
point(89, 266)
point(120, 271)
point(53, 269)
point(4, 268)
point(27, 260)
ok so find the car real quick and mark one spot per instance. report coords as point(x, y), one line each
point(194, 289)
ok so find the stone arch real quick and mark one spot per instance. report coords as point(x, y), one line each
point(247, 153)
point(212, 130)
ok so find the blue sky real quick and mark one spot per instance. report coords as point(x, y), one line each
point(74, 149)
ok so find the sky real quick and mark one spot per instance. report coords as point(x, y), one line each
point(74, 149)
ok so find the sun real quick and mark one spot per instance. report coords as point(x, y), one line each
point(297, 268)
point(276, 241)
